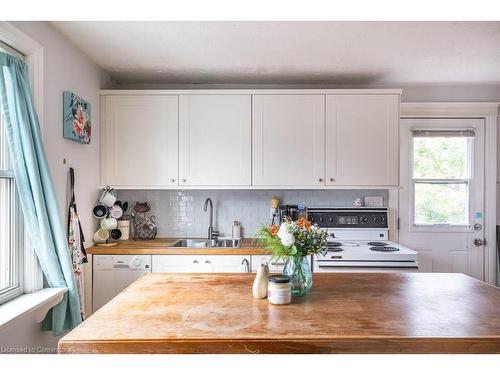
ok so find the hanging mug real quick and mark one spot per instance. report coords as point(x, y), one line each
point(107, 198)
point(101, 235)
point(116, 211)
point(115, 234)
point(109, 223)
point(99, 211)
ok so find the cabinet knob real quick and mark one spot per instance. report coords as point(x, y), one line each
point(195, 261)
point(320, 179)
point(183, 180)
point(207, 261)
point(172, 180)
point(332, 179)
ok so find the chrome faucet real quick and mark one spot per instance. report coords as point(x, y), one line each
point(212, 234)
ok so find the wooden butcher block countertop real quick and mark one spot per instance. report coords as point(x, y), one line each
point(163, 246)
point(344, 313)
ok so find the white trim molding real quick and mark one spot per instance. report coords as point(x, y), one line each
point(449, 109)
point(489, 112)
point(41, 302)
point(33, 53)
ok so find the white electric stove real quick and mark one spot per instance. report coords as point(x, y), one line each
point(358, 242)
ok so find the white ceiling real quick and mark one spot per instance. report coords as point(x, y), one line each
point(344, 53)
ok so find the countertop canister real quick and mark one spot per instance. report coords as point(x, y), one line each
point(279, 291)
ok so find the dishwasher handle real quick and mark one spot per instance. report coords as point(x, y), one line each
point(121, 265)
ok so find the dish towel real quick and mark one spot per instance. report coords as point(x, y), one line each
point(75, 243)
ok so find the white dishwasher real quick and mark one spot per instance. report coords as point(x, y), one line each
point(113, 273)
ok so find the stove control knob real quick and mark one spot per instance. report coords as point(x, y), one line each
point(320, 219)
point(364, 220)
point(330, 220)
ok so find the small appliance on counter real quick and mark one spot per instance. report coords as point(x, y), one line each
point(358, 242)
point(293, 211)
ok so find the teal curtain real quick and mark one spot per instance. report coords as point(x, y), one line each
point(36, 191)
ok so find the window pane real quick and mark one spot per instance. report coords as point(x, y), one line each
point(4, 152)
point(440, 157)
point(441, 204)
point(5, 233)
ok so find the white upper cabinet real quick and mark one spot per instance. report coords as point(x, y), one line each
point(215, 140)
point(294, 139)
point(140, 137)
point(362, 140)
point(288, 140)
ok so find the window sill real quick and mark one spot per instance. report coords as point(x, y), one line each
point(41, 302)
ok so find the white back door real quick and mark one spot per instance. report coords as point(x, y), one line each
point(441, 200)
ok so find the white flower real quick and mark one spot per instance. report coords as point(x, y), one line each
point(287, 240)
point(284, 228)
point(285, 234)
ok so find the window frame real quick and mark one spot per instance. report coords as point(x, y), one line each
point(16, 240)
point(414, 227)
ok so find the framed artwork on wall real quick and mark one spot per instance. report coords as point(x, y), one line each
point(76, 118)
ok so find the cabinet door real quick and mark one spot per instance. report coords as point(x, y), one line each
point(288, 140)
point(179, 263)
point(362, 139)
point(227, 263)
point(215, 140)
point(140, 140)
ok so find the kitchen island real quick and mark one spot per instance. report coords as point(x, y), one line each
point(344, 313)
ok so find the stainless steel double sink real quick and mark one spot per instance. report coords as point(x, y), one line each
point(204, 243)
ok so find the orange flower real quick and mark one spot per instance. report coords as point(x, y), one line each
point(304, 223)
point(274, 229)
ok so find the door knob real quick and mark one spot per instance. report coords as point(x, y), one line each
point(479, 242)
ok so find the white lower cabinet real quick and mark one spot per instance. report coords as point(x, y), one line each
point(201, 263)
point(274, 265)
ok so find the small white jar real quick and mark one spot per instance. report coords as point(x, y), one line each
point(279, 291)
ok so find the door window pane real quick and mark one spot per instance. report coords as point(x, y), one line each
point(440, 157)
point(441, 203)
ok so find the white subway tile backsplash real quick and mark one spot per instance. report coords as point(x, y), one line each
point(180, 213)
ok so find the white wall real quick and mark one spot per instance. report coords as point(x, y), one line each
point(65, 68)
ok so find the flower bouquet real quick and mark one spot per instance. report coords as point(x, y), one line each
point(293, 241)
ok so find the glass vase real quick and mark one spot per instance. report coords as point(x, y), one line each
point(299, 271)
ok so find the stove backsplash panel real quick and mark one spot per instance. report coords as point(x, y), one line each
point(180, 213)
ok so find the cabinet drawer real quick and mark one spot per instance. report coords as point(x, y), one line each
point(178, 263)
point(228, 263)
point(274, 266)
